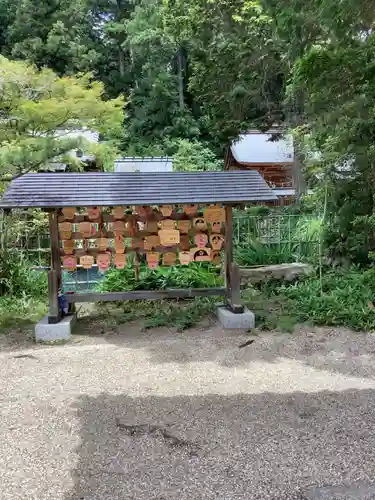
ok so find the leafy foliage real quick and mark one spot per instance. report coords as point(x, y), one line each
point(16, 278)
point(266, 239)
point(180, 314)
point(346, 300)
point(192, 276)
point(236, 69)
point(38, 108)
point(195, 156)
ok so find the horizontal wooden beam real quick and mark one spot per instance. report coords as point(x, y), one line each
point(174, 293)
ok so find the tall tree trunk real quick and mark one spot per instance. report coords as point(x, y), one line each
point(181, 70)
point(121, 55)
point(121, 61)
point(297, 175)
point(296, 120)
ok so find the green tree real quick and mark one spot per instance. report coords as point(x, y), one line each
point(107, 20)
point(37, 105)
point(237, 72)
point(159, 103)
point(7, 15)
point(337, 80)
point(193, 156)
point(53, 33)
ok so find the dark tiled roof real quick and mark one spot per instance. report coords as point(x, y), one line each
point(109, 189)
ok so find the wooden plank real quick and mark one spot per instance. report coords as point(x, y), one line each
point(145, 295)
point(129, 250)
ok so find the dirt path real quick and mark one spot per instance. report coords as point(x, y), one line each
point(188, 416)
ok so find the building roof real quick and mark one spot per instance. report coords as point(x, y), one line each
point(84, 133)
point(257, 148)
point(144, 164)
point(111, 188)
point(281, 192)
point(90, 136)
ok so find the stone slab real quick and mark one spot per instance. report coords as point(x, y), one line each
point(231, 321)
point(45, 332)
point(279, 272)
point(358, 490)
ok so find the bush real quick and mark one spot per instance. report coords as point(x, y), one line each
point(193, 276)
point(180, 314)
point(23, 292)
point(17, 279)
point(276, 239)
point(255, 253)
point(343, 298)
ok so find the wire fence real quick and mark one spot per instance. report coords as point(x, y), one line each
point(258, 240)
point(275, 238)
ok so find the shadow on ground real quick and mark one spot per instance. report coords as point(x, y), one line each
point(332, 349)
point(261, 446)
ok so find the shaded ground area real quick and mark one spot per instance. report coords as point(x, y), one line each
point(165, 415)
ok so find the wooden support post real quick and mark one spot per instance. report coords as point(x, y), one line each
point(232, 274)
point(228, 248)
point(54, 315)
point(54, 275)
point(235, 305)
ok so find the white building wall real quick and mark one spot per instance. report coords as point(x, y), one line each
point(143, 165)
point(257, 148)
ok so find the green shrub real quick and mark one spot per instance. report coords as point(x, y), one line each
point(193, 276)
point(275, 238)
point(255, 253)
point(20, 311)
point(179, 314)
point(343, 298)
point(17, 279)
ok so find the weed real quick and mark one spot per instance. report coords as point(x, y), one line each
point(17, 279)
point(180, 315)
point(17, 312)
point(276, 239)
point(343, 298)
point(193, 276)
point(177, 314)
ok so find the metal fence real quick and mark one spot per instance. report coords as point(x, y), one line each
point(258, 239)
point(26, 232)
point(275, 238)
point(275, 228)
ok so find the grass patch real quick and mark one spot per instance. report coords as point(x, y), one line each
point(23, 292)
point(279, 239)
point(195, 275)
point(178, 314)
point(271, 311)
point(18, 312)
point(18, 280)
point(344, 298)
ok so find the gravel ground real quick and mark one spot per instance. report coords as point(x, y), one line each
point(164, 415)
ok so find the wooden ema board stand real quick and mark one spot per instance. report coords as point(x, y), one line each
point(164, 235)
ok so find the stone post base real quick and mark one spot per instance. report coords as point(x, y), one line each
point(230, 320)
point(45, 332)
